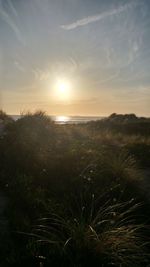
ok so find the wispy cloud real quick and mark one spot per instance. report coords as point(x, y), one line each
point(8, 19)
point(98, 17)
point(19, 66)
point(41, 75)
point(12, 7)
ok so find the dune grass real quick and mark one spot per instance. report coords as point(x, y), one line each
point(102, 234)
point(84, 182)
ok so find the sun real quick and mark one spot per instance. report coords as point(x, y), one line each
point(63, 86)
point(62, 89)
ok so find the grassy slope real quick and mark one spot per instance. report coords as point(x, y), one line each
point(88, 179)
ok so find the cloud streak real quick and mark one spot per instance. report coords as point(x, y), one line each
point(19, 66)
point(10, 22)
point(14, 11)
point(98, 17)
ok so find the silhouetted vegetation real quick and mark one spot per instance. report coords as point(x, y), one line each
point(77, 194)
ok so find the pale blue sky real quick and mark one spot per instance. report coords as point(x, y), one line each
point(101, 47)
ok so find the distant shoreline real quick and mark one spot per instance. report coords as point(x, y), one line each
point(68, 119)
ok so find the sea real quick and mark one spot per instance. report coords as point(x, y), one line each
point(69, 119)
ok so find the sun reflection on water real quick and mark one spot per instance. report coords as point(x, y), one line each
point(62, 119)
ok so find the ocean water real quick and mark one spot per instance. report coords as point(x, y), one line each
point(74, 119)
point(69, 119)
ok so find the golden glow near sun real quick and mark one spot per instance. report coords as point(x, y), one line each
point(62, 89)
point(63, 86)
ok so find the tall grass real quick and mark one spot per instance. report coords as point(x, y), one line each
point(86, 175)
point(120, 164)
point(100, 234)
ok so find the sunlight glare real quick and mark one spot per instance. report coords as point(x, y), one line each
point(62, 119)
point(63, 86)
point(62, 89)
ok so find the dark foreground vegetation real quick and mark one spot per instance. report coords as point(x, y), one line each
point(74, 195)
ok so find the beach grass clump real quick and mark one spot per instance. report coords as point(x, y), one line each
point(105, 236)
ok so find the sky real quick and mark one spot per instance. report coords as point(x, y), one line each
point(100, 49)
